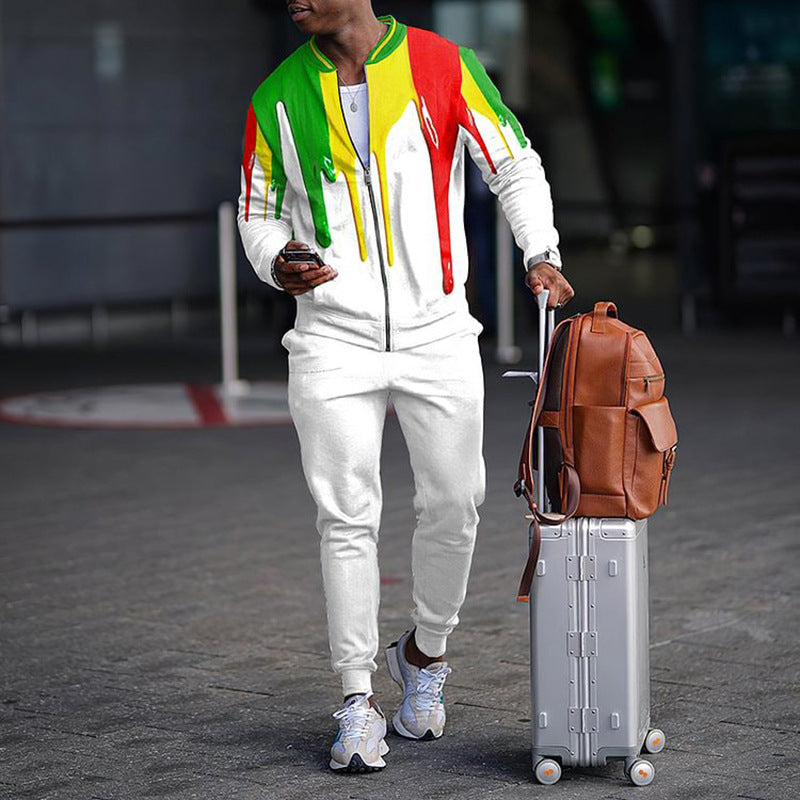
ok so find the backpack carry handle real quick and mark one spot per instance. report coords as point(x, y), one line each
point(602, 311)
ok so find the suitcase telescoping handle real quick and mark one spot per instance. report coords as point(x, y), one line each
point(526, 484)
point(547, 320)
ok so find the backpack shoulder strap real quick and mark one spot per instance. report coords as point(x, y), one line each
point(573, 495)
point(525, 487)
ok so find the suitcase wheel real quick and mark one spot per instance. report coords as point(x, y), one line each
point(641, 773)
point(654, 741)
point(547, 771)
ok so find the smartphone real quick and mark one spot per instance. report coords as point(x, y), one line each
point(302, 257)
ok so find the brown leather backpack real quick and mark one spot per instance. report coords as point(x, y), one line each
point(610, 439)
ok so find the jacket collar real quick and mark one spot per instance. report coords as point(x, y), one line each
point(386, 45)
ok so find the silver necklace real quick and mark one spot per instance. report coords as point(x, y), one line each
point(353, 104)
point(352, 96)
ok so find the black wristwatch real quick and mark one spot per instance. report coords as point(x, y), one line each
point(272, 272)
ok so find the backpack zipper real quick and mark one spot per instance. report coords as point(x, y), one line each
point(648, 379)
point(373, 204)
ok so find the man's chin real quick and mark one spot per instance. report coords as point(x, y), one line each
point(307, 27)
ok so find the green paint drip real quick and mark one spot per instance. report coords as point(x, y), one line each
point(329, 169)
point(296, 84)
point(280, 190)
point(492, 95)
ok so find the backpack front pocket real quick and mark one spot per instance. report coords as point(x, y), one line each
point(656, 439)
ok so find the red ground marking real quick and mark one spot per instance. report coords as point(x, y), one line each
point(390, 581)
point(207, 404)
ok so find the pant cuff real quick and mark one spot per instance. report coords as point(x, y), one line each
point(356, 681)
point(432, 644)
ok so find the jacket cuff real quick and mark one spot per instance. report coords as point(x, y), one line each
point(264, 270)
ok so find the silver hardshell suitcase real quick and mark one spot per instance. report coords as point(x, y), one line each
point(590, 658)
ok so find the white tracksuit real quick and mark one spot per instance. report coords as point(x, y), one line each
point(394, 323)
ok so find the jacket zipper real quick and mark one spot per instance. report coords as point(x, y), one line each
point(368, 176)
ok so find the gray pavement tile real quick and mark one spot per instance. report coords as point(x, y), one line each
point(743, 750)
point(176, 647)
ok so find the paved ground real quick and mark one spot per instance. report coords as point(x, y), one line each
point(163, 631)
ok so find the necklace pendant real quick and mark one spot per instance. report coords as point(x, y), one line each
point(353, 107)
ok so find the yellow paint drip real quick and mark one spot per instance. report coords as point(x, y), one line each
point(342, 151)
point(476, 101)
point(385, 109)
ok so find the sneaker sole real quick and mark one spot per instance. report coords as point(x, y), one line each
point(400, 729)
point(358, 765)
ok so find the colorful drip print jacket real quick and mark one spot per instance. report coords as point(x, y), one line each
point(394, 228)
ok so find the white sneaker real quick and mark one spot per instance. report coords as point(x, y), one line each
point(421, 716)
point(359, 745)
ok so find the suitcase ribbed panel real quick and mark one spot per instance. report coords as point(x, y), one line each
point(590, 689)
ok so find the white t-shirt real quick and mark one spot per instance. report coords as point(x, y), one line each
point(357, 121)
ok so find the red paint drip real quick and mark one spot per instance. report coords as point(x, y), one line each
point(436, 71)
point(249, 157)
point(468, 121)
point(207, 405)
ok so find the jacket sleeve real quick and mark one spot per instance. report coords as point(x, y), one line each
point(510, 166)
point(264, 220)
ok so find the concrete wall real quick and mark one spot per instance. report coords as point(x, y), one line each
point(121, 107)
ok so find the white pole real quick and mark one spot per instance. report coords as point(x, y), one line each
point(507, 351)
point(231, 385)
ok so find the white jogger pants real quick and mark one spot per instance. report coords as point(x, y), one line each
point(338, 395)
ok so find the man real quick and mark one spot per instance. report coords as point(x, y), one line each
point(354, 156)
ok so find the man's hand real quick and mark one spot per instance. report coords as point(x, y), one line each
point(542, 276)
point(299, 277)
